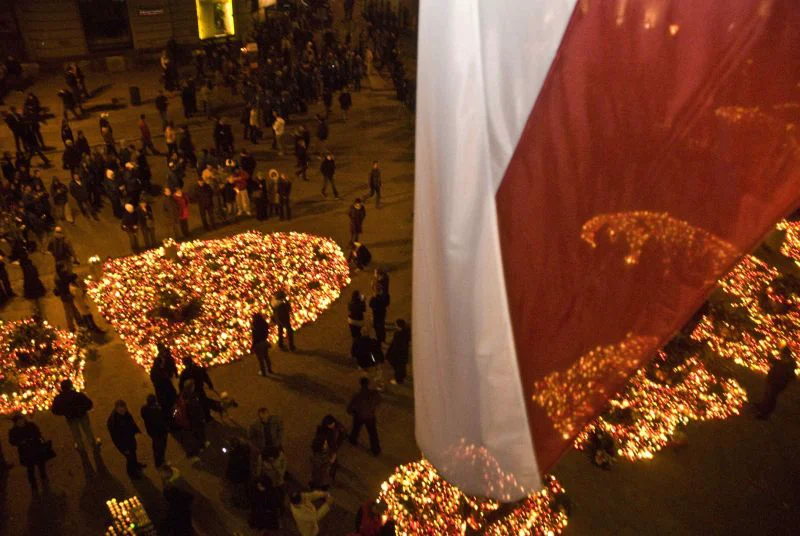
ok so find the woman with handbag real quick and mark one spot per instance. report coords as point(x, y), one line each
point(33, 450)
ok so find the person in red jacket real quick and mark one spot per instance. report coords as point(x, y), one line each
point(182, 202)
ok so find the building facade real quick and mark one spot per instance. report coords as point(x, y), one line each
point(65, 29)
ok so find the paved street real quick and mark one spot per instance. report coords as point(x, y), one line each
point(739, 476)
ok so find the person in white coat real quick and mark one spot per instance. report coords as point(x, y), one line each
point(306, 514)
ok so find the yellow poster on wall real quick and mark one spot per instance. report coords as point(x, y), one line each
point(214, 18)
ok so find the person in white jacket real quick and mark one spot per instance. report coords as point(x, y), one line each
point(306, 515)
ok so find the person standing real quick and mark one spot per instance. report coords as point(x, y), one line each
point(147, 224)
point(161, 105)
point(266, 433)
point(355, 313)
point(32, 449)
point(322, 130)
point(171, 213)
point(328, 170)
point(375, 183)
point(155, 423)
point(123, 430)
point(75, 407)
point(201, 379)
point(282, 315)
point(398, 352)
point(147, 138)
point(161, 374)
point(379, 303)
point(62, 251)
point(329, 436)
point(357, 215)
point(171, 139)
point(61, 289)
point(284, 191)
point(86, 319)
point(182, 204)
point(260, 343)
point(204, 195)
point(80, 194)
point(278, 128)
point(60, 195)
point(130, 224)
point(189, 414)
point(362, 407)
point(301, 152)
point(345, 102)
point(781, 373)
point(305, 514)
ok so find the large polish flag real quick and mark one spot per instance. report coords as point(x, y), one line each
point(585, 172)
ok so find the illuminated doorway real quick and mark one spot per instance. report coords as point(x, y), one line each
point(214, 18)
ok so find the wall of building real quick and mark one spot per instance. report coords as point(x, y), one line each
point(151, 23)
point(51, 29)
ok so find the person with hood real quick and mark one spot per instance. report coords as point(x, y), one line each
point(260, 343)
point(130, 224)
point(328, 170)
point(398, 353)
point(147, 224)
point(182, 203)
point(362, 407)
point(357, 215)
point(123, 430)
point(306, 514)
point(32, 449)
point(282, 316)
point(161, 374)
point(157, 427)
point(75, 407)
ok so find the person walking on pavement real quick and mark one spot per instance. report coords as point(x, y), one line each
point(345, 102)
point(260, 343)
point(123, 430)
point(75, 407)
point(156, 425)
point(362, 407)
point(182, 203)
point(306, 514)
point(328, 170)
point(278, 129)
point(147, 224)
point(282, 315)
point(61, 289)
point(357, 214)
point(147, 138)
point(398, 352)
point(33, 450)
point(355, 314)
point(375, 183)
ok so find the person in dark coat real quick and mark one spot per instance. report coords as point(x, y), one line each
point(781, 373)
point(375, 183)
point(328, 170)
point(130, 224)
point(357, 215)
point(75, 407)
point(362, 407)
point(80, 193)
point(329, 436)
point(204, 194)
point(397, 354)
point(32, 287)
point(345, 102)
point(26, 436)
point(282, 316)
point(161, 374)
point(260, 343)
point(157, 427)
point(190, 416)
point(379, 303)
point(123, 430)
point(201, 380)
point(359, 257)
point(147, 224)
point(355, 313)
point(284, 191)
point(178, 520)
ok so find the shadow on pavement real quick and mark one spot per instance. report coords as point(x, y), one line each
point(305, 384)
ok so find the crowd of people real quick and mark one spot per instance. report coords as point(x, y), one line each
point(290, 70)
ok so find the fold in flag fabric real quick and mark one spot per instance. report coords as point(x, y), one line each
point(585, 172)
